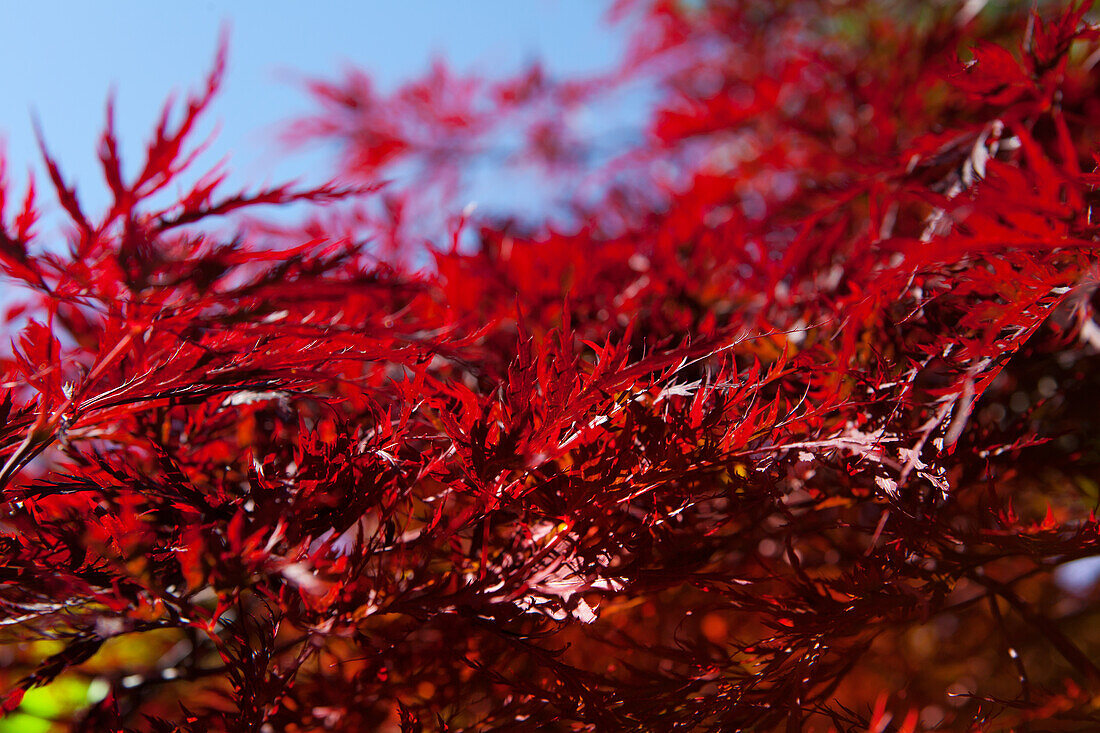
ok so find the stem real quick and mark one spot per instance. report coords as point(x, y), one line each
point(1070, 651)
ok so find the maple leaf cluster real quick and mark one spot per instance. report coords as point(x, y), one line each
point(790, 425)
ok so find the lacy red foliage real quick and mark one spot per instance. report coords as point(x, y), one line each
point(790, 428)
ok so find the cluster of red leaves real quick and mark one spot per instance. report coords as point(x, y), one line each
point(791, 438)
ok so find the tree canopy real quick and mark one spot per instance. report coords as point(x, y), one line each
point(784, 420)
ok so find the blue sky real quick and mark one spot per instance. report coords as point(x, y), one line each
point(63, 58)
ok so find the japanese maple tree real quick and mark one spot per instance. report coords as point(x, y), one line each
point(784, 419)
